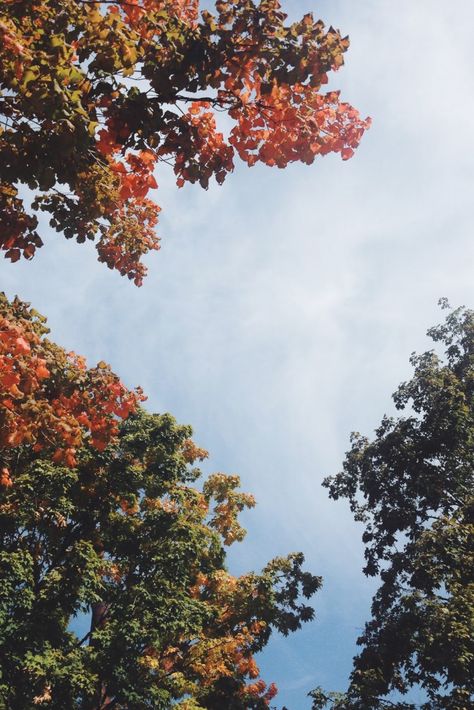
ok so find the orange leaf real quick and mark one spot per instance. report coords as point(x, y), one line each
point(5, 479)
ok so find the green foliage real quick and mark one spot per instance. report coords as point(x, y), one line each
point(126, 537)
point(412, 488)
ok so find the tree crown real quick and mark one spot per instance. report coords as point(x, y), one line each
point(94, 95)
point(121, 530)
point(412, 488)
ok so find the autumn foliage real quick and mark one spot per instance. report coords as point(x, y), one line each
point(95, 95)
point(50, 400)
point(103, 517)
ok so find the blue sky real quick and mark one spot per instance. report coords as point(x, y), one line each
point(282, 309)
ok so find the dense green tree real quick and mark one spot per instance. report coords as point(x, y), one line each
point(119, 531)
point(412, 489)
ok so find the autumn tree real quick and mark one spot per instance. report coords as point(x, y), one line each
point(412, 489)
point(101, 514)
point(49, 399)
point(94, 94)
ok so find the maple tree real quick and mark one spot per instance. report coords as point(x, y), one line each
point(94, 94)
point(412, 488)
point(101, 514)
point(49, 399)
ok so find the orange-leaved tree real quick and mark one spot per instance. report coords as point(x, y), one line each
point(50, 401)
point(114, 527)
point(94, 94)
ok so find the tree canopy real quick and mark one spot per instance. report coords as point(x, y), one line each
point(49, 398)
point(94, 94)
point(412, 488)
point(120, 530)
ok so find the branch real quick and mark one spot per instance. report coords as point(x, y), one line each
point(83, 639)
point(110, 2)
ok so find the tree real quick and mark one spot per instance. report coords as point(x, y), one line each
point(94, 94)
point(412, 488)
point(49, 399)
point(123, 533)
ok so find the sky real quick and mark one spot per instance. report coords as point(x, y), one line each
point(282, 309)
